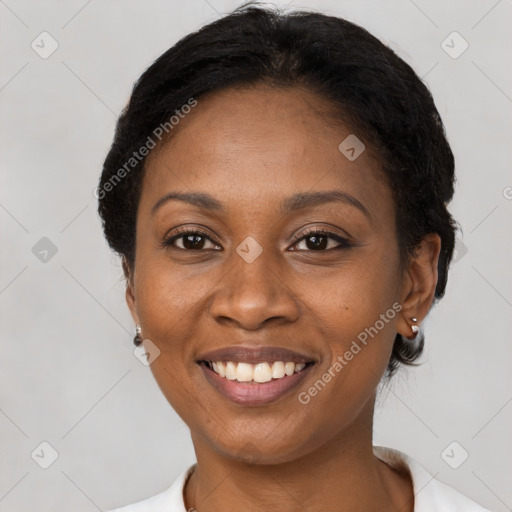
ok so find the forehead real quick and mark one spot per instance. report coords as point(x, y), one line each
point(259, 144)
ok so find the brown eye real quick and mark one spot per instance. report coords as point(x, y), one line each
point(191, 240)
point(321, 241)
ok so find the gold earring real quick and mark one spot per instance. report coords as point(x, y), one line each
point(414, 327)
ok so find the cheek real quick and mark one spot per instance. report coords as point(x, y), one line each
point(167, 297)
point(356, 312)
point(357, 326)
point(353, 298)
point(170, 304)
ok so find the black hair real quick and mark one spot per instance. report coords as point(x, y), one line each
point(369, 87)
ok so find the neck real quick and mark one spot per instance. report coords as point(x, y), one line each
point(342, 474)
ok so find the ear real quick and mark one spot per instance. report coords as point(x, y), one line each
point(130, 290)
point(419, 284)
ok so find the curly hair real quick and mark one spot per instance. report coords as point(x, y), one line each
point(369, 87)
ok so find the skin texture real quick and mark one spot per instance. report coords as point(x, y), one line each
point(251, 149)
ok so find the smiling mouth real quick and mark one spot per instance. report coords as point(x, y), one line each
point(258, 373)
point(255, 376)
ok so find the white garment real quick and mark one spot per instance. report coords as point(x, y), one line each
point(430, 495)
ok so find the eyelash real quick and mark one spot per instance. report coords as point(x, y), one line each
point(343, 242)
point(181, 232)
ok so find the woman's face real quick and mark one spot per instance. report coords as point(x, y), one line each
point(258, 276)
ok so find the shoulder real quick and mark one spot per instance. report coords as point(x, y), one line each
point(170, 500)
point(429, 494)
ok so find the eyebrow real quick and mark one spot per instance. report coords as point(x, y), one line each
point(310, 199)
point(296, 202)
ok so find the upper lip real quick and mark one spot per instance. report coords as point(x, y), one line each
point(254, 355)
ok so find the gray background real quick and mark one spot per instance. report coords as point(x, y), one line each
point(68, 373)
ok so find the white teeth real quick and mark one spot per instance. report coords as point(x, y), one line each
point(230, 371)
point(261, 372)
point(244, 372)
point(221, 369)
point(278, 370)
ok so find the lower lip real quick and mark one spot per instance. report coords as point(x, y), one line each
point(255, 394)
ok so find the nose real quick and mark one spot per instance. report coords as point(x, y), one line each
point(253, 294)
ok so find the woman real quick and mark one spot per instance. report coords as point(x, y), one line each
point(277, 189)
